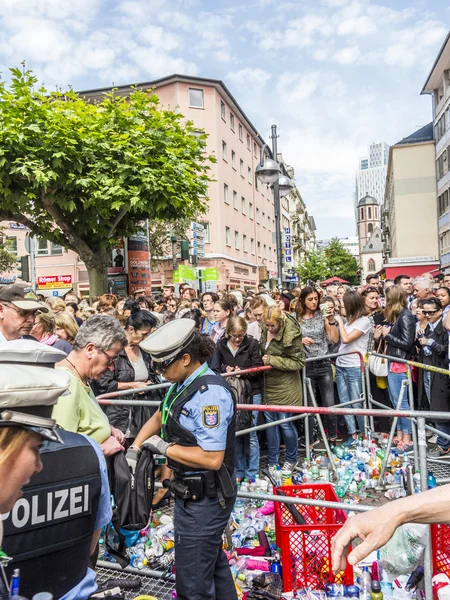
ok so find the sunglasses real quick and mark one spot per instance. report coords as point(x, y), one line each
point(427, 313)
point(371, 289)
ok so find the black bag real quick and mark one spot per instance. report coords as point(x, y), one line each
point(242, 389)
point(133, 497)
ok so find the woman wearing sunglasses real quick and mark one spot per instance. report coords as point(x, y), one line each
point(195, 429)
point(434, 387)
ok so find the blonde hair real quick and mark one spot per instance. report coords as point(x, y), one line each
point(275, 314)
point(66, 321)
point(396, 301)
point(12, 441)
point(56, 304)
point(47, 322)
point(86, 312)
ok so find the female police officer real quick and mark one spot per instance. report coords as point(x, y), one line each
point(195, 429)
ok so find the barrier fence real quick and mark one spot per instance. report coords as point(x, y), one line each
point(301, 412)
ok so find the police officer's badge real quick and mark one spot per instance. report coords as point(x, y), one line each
point(210, 416)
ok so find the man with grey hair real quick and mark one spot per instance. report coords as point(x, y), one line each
point(97, 344)
point(423, 288)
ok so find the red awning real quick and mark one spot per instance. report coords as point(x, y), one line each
point(334, 280)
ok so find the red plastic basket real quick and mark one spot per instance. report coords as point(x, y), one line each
point(306, 549)
point(440, 548)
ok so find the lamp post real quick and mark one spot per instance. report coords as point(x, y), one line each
point(269, 171)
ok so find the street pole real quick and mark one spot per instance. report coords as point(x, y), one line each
point(277, 210)
point(33, 262)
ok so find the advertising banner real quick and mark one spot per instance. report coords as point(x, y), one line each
point(139, 276)
point(48, 282)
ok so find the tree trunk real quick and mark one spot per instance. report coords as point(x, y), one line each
point(98, 274)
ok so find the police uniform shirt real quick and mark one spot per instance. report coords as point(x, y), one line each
point(208, 414)
point(88, 585)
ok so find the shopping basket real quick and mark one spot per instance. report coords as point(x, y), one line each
point(306, 549)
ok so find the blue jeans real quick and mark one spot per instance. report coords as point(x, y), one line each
point(394, 381)
point(443, 426)
point(248, 467)
point(427, 384)
point(290, 437)
point(349, 386)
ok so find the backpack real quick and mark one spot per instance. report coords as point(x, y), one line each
point(132, 501)
point(242, 389)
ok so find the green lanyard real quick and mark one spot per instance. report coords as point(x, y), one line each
point(165, 412)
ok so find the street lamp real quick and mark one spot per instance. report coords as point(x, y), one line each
point(269, 171)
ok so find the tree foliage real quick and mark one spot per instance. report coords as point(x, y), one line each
point(84, 174)
point(333, 260)
point(314, 268)
point(7, 259)
point(340, 262)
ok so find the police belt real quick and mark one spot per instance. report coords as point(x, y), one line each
point(210, 484)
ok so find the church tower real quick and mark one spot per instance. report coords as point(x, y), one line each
point(368, 219)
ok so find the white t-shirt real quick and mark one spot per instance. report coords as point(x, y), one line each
point(363, 324)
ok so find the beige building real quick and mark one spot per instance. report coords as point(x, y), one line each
point(438, 86)
point(410, 220)
point(240, 223)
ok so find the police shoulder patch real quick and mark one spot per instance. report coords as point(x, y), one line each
point(211, 416)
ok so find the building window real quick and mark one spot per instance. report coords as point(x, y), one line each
point(249, 175)
point(362, 214)
point(222, 110)
point(255, 150)
point(243, 207)
point(241, 167)
point(227, 236)
point(196, 98)
point(206, 233)
point(257, 215)
point(224, 150)
point(256, 182)
point(370, 228)
point(240, 131)
point(235, 200)
point(259, 248)
point(252, 245)
point(443, 203)
point(42, 247)
point(369, 213)
point(225, 193)
point(233, 159)
point(231, 121)
point(264, 219)
point(244, 243)
point(236, 239)
point(249, 144)
point(11, 244)
point(250, 210)
point(265, 251)
point(56, 249)
point(371, 265)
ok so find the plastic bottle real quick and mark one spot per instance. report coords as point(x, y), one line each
point(431, 480)
point(416, 480)
point(324, 464)
point(365, 584)
point(315, 473)
point(386, 586)
point(376, 593)
point(157, 518)
point(238, 566)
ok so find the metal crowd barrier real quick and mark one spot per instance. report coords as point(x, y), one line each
point(301, 412)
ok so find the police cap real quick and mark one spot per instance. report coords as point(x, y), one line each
point(29, 388)
point(168, 341)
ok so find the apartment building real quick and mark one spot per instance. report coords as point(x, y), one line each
point(438, 86)
point(240, 222)
point(410, 220)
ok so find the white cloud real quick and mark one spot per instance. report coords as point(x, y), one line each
point(358, 26)
point(157, 63)
point(347, 56)
point(159, 38)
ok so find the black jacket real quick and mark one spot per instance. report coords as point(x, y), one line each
point(400, 340)
point(248, 355)
point(440, 384)
point(119, 416)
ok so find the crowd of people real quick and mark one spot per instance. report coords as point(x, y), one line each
point(109, 346)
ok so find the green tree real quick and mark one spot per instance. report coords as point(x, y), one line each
point(7, 259)
point(84, 174)
point(314, 267)
point(340, 262)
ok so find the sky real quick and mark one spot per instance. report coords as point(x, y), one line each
point(334, 75)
